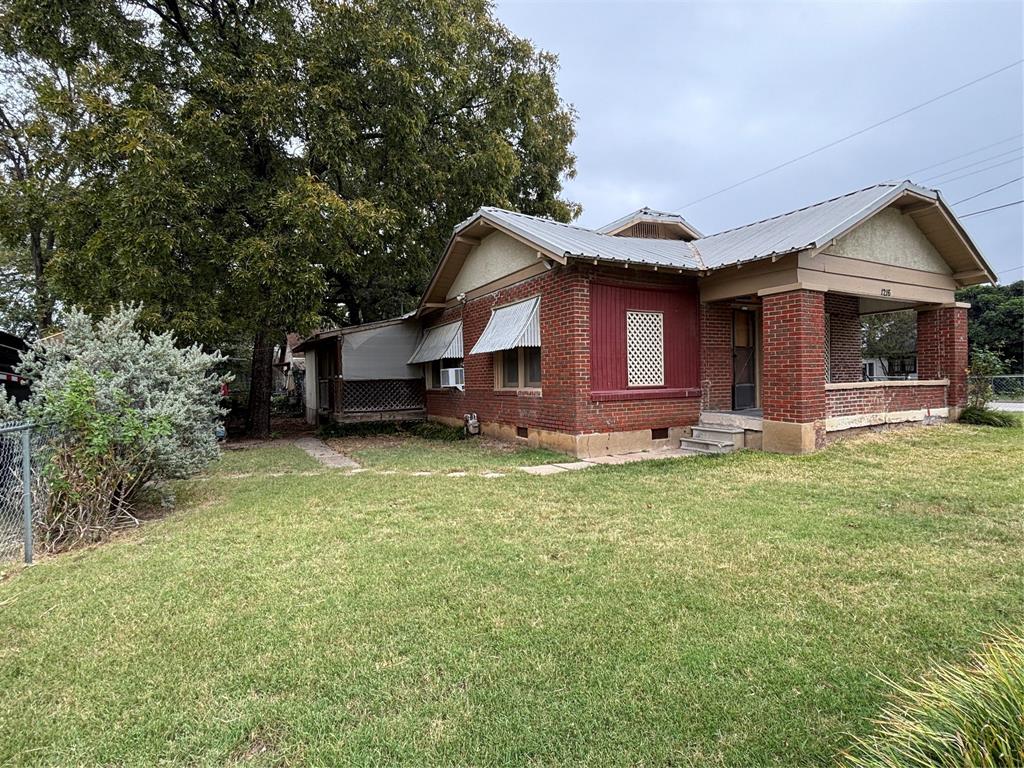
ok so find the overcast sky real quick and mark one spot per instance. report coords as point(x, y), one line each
point(679, 99)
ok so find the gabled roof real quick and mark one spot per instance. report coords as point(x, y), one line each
point(570, 241)
point(652, 216)
point(806, 229)
point(816, 226)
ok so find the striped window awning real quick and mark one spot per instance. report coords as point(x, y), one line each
point(511, 326)
point(442, 342)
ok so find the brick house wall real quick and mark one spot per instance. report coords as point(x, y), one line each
point(565, 402)
point(942, 349)
point(844, 337)
point(884, 399)
point(793, 333)
point(716, 356)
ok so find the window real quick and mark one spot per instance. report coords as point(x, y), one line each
point(432, 371)
point(645, 349)
point(517, 368)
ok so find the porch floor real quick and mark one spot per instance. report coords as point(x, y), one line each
point(746, 418)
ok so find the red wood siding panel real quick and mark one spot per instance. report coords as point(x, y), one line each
point(608, 306)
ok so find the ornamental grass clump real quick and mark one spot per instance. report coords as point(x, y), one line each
point(969, 716)
point(120, 412)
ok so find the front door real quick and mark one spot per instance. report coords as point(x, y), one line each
point(744, 359)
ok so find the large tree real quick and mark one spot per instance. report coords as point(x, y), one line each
point(248, 167)
point(996, 320)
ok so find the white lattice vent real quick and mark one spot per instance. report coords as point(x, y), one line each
point(645, 349)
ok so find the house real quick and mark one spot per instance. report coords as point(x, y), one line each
point(645, 332)
point(899, 367)
point(11, 349)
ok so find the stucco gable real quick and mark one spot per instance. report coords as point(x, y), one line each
point(890, 237)
point(497, 256)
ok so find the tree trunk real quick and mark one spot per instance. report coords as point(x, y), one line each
point(261, 384)
point(40, 258)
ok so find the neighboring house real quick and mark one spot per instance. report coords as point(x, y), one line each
point(11, 349)
point(879, 368)
point(626, 337)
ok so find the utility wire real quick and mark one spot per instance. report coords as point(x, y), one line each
point(987, 210)
point(973, 164)
point(849, 136)
point(1011, 269)
point(965, 154)
point(982, 170)
point(990, 189)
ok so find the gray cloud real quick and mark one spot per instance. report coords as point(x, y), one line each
point(677, 100)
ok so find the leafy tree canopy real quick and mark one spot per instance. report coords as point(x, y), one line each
point(995, 320)
point(245, 168)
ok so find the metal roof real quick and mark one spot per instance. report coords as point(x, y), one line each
point(647, 214)
point(442, 342)
point(568, 240)
point(810, 227)
point(511, 326)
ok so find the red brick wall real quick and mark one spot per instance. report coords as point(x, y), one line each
point(793, 333)
point(716, 356)
point(844, 337)
point(883, 399)
point(565, 404)
point(942, 349)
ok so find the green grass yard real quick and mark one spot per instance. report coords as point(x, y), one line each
point(693, 612)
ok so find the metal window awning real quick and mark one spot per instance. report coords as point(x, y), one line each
point(443, 342)
point(511, 326)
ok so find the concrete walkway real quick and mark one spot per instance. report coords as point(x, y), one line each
point(622, 458)
point(326, 455)
point(329, 457)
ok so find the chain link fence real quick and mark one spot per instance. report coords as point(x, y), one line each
point(21, 489)
point(1008, 389)
point(1001, 393)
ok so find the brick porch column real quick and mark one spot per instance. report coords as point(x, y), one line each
point(793, 376)
point(942, 350)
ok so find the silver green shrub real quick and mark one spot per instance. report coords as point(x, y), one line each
point(123, 411)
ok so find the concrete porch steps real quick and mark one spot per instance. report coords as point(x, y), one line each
point(698, 445)
point(718, 433)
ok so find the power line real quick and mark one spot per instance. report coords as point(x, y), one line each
point(973, 164)
point(987, 210)
point(852, 135)
point(982, 170)
point(1011, 269)
point(965, 154)
point(990, 189)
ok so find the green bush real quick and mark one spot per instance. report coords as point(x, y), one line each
point(986, 417)
point(969, 716)
point(984, 365)
point(121, 412)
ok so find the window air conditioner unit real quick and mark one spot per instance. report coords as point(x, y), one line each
point(453, 378)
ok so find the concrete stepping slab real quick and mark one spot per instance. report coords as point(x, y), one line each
point(326, 455)
point(543, 469)
point(574, 465)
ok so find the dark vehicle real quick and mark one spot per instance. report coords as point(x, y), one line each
point(11, 348)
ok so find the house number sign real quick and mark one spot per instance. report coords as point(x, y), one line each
point(887, 292)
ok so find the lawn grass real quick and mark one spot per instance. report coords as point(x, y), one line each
point(694, 612)
point(276, 457)
point(416, 454)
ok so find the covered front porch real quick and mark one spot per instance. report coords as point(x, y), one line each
point(786, 361)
